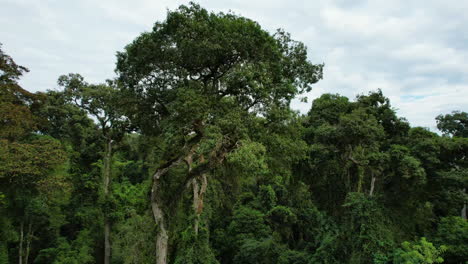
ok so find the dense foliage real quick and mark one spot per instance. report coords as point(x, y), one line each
point(193, 155)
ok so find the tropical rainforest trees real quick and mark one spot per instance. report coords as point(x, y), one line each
point(27, 162)
point(201, 80)
point(194, 148)
point(454, 124)
point(101, 102)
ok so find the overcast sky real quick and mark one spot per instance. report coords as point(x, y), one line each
point(415, 51)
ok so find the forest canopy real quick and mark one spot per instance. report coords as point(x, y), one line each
point(193, 154)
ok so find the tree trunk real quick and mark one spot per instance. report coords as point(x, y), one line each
point(107, 172)
point(107, 245)
point(360, 178)
point(162, 237)
point(198, 193)
point(28, 242)
point(371, 192)
point(107, 166)
point(20, 254)
point(463, 210)
point(348, 180)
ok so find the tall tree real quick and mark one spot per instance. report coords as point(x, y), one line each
point(454, 124)
point(199, 80)
point(101, 102)
point(26, 158)
point(16, 104)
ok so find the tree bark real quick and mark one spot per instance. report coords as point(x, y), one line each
point(371, 192)
point(28, 243)
point(463, 210)
point(107, 166)
point(360, 172)
point(162, 237)
point(107, 171)
point(188, 151)
point(360, 178)
point(107, 245)
point(348, 180)
point(198, 193)
point(20, 255)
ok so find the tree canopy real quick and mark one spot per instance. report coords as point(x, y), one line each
point(192, 154)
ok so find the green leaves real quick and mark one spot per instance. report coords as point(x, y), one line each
point(27, 163)
point(10, 71)
point(133, 239)
point(453, 233)
point(194, 59)
point(102, 102)
point(69, 252)
point(455, 124)
point(249, 158)
point(204, 99)
point(422, 252)
point(17, 106)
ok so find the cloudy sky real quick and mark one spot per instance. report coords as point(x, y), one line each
point(415, 51)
